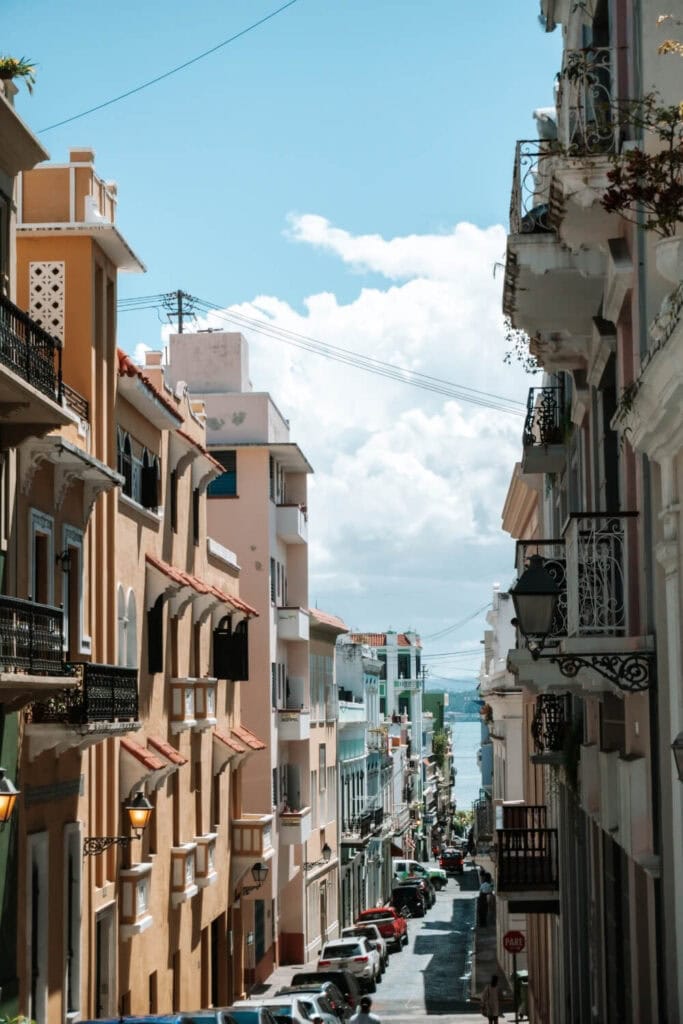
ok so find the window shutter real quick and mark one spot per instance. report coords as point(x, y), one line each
point(155, 638)
point(231, 651)
point(149, 484)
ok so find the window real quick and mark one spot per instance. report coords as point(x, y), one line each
point(272, 581)
point(225, 486)
point(173, 500)
point(383, 658)
point(155, 637)
point(195, 516)
point(72, 923)
point(404, 666)
point(124, 461)
point(149, 481)
point(140, 472)
point(322, 765)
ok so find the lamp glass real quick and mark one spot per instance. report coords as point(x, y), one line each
point(259, 872)
point(139, 812)
point(8, 797)
point(535, 597)
point(326, 852)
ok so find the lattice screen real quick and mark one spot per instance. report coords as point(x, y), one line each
point(46, 296)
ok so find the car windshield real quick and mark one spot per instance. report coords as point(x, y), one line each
point(380, 915)
point(282, 1009)
point(338, 952)
point(245, 1016)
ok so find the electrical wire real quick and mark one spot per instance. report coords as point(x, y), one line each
point(172, 71)
point(463, 622)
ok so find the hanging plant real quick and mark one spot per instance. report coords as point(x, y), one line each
point(18, 67)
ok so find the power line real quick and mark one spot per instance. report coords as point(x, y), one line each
point(173, 71)
point(463, 622)
point(455, 654)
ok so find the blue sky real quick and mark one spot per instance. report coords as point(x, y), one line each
point(384, 120)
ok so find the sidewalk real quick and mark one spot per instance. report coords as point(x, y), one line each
point(485, 964)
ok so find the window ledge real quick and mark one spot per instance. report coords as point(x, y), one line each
point(154, 518)
point(127, 931)
point(185, 896)
point(183, 726)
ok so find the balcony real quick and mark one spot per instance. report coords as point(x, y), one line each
point(549, 290)
point(205, 702)
point(594, 566)
point(292, 524)
point(31, 651)
point(103, 703)
point(527, 867)
point(183, 867)
point(205, 862)
point(409, 685)
point(252, 837)
point(294, 723)
point(134, 885)
point(183, 715)
point(549, 729)
point(351, 710)
point(543, 438)
point(31, 387)
point(292, 624)
point(295, 826)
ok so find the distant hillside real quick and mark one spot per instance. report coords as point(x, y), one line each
point(464, 702)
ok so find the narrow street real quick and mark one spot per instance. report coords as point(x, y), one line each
point(433, 973)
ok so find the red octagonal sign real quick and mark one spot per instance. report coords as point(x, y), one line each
point(514, 942)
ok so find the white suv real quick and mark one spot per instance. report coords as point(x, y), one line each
point(373, 934)
point(355, 955)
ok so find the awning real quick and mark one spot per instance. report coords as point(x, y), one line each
point(139, 767)
point(226, 748)
point(71, 464)
point(169, 582)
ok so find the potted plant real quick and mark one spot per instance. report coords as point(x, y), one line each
point(18, 67)
point(646, 188)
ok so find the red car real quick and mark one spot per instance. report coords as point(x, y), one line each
point(452, 861)
point(392, 926)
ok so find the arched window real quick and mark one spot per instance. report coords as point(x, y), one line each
point(132, 631)
point(149, 480)
point(124, 461)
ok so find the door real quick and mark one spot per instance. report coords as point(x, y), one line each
point(323, 911)
point(105, 982)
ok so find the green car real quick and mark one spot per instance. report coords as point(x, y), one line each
point(411, 868)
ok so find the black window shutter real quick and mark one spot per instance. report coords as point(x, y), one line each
point(231, 651)
point(155, 638)
point(149, 486)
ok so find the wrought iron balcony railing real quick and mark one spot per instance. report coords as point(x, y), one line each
point(483, 819)
point(535, 161)
point(543, 424)
point(31, 637)
point(29, 351)
point(527, 859)
point(522, 816)
point(586, 113)
point(592, 565)
point(108, 693)
point(549, 724)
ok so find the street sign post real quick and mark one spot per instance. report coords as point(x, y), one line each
point(514, 942)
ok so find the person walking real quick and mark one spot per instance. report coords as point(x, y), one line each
point(483, 900)
point(490, 1000)
point(363, 1016)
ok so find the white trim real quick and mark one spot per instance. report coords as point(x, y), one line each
point(41, 522)
point(107, 915)
point(140, 510)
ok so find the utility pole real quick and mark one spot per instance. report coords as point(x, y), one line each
point(179, 305)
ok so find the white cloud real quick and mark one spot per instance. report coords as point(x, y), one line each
point(409, 484)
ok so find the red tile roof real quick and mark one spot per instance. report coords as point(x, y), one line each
point(325, 619)
point(127, 368)
point(143, 755)
point(248, 737)
point(185, 579)
point(380, 640)
point(167, 751)
point(229, 741)
point(207, 454)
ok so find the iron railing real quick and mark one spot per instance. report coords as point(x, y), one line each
point(527, 859)
point(549, 724)
point(483, 819)
point(598, 593)
point(535, 161)
point(29, 351)
point(108, 693)
point(543, 424)
point(31, 637)
point(587, 121)
point(76, 402)
point(523, 816)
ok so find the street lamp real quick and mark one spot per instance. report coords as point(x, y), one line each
point(8, 797)
point(139, 812)
point(259, 872)
point(535, 597)
point(325, 859)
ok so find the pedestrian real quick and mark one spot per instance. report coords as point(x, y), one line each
point(483, 900)
point(490, 1002)
point(363, 1016)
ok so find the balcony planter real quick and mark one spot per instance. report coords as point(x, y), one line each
point(183, 866)
point(182, 705)
point(205, 864)
point(205, 703)
point(134, 884)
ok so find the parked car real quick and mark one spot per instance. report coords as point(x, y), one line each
point(325, 989)
point(408, 901)
point(355, 955)
point(452, 860)
point(346, 982)
point(248, 1013)
point(317, 1004)
point(423, 885)
point(391, 925)
point(437, 876)
point(208, 1017)
point(371, 932)
point(155, 1018)
point(293, 1007)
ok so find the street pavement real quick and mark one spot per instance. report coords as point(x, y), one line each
point(431, 979)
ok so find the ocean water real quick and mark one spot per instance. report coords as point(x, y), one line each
point(466, 743)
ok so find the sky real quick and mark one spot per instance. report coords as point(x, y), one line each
point(342, 171)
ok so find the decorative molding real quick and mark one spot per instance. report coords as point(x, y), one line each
point(47, 296)
point(630, 672)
